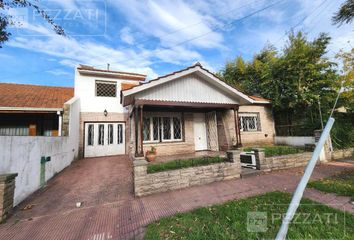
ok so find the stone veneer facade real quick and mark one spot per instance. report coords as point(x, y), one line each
point(281, 162)
point(226, 127)
point(7, 189)
point(145, 183)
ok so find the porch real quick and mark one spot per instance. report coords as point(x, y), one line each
point(191, 130)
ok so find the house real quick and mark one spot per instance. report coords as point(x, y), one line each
point(182, 112)
point(31, 110)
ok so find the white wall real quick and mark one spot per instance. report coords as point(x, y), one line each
point(22, 155)
point(294, 141)
point(85, 90)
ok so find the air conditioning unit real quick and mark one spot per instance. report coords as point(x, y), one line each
point(248, 160)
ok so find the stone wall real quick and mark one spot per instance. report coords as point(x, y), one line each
point(343, 153)
point(145, 184)
point(7, 188)
point(281, 162)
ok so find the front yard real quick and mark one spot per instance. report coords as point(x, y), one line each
point(341, 184)
point(237, 220)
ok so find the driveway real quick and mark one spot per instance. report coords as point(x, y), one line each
point(110, 211)
point(92, 181)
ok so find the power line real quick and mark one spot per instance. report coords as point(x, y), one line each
point(168, 34)
point(301, 21)
point(231, 23)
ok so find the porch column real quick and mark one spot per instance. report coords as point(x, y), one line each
point(141, 132)
point(237, 127)
point(136, 130)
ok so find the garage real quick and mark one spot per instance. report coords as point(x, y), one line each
point(104, 139)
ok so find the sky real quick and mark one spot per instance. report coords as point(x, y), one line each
point(156, 37)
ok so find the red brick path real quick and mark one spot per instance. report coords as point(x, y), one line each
point(110, 211)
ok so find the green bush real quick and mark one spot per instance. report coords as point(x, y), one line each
point(278, 150)
point(343, 130)
point(177, 164)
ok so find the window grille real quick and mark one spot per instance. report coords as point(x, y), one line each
point(146, 129)
point(110, 134)
point(120, 133)
point(166, 122)
point(106, 89)
point(177, 132)
point(250, 122)
point(170, 127)
point(155, 128)
point(101, 134)
point(90, 135)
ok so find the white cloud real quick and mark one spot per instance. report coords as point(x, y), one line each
point(72, 52)
point(126, 35)
point(171, 22)
point(58, 72)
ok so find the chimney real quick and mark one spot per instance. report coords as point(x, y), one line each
point(108, 66)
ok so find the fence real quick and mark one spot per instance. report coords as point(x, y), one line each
point(37, 159)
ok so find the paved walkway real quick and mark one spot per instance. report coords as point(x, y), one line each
point(111, 212)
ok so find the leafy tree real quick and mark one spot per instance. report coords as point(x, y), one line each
point(295, 78)
point(347, 79)
point(345, 13)
point(7, 19)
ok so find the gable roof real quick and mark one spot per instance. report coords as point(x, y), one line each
point(197, 68)
point(21, 96)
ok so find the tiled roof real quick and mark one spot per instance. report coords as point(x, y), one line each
point(33, 96)
point(260, 99)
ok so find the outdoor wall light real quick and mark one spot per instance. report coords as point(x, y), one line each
point(105, 113)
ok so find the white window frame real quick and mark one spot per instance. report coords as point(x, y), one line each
point(255, 115)
point(160, 132)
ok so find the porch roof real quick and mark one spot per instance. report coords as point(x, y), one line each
point(192, 86)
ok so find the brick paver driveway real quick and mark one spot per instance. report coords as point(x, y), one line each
point(110, 211)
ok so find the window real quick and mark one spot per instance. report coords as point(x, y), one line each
point(110, 134)
point(166, 128)
point(106, 89)
point(101, 134)
point(90, 135)
point(120, 133)
point(250, 122)
point(162, 129)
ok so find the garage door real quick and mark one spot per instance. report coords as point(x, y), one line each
point(104, 139)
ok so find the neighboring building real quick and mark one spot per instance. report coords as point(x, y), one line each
point(31, 110)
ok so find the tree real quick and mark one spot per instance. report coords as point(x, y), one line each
point(345, 13)
point(294, 78)
point(7, 19)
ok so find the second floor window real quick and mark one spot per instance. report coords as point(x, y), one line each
point(106, 89)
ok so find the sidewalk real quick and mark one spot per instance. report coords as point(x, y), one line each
point(125, 219)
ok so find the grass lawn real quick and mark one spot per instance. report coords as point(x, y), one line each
point(177, 164)
point(229, 221)
point(341, 184)
point(278, 150)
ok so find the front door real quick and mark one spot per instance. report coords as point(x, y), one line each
point(200, 138)
point(104, 139)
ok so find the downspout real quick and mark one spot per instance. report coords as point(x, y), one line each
point(60, 122)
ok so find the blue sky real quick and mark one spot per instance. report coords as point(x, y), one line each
point(156, 37)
